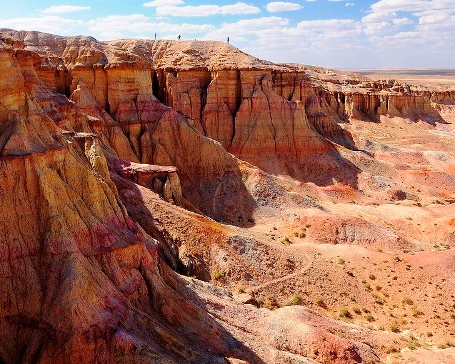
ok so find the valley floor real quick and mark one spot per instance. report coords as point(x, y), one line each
point(381, 256)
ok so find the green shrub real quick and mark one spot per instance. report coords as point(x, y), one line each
point(357, 310)
point(286, 241)
point(271, 302)
point(408, 300)
point(378, 300)
point(218, 274)
point(446, 345)
point(369, 317)
point(344, 313)
point(319, 301)
point(416, 312)
point(296, 300)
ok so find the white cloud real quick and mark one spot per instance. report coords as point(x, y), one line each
point(378, 29)
point(239, 8)
point(378, 17)
point(332, 27)
point(249, 27)
point(48, 24)
point(206, 10)
point(157, 3)
point(411, 5)
point(311, 42)
point(59, 9)
point(412, 31)
point(349, 4)
point(433, 16)
point(277, 6)
point(202, 10)
point(121, 26)
point(399, 5)
point(402, 21)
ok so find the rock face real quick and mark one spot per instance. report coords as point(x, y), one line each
point(259, 115)
point(90, 130)
point(280, 118)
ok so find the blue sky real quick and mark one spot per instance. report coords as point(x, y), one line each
point(329, 33)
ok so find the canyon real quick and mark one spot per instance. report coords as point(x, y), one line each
point(185, 202)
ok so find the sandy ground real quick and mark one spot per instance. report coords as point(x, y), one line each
point(385, 252)
point(438, 79)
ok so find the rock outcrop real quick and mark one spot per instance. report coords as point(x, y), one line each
point(281, 118)
point(95, 135)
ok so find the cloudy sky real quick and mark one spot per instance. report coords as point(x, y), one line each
point(330, 33)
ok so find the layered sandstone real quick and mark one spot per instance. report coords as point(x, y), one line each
point(111, 154)
point(81, 281)
point(242, 102)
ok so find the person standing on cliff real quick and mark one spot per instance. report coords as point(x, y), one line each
point(228, 40)
point(178, 37)
point(155, 36)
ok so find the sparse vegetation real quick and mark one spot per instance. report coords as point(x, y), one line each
point(392, 349)
point(341, 261)
point(344, 313)
point(286, 241)
point(302, 233)
point(446, 345)
point(357, 310)
point(269, 302)
point(377, 299)
point(296, 300)
point(320, 301)
point(407, 300)
point(372, 276)
point(369, 317)
point(394, 328)
point(413, 343)
point(218, 274)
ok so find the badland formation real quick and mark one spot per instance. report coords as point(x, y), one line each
point(184, 202)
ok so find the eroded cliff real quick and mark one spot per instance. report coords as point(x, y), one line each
point(100, 142)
